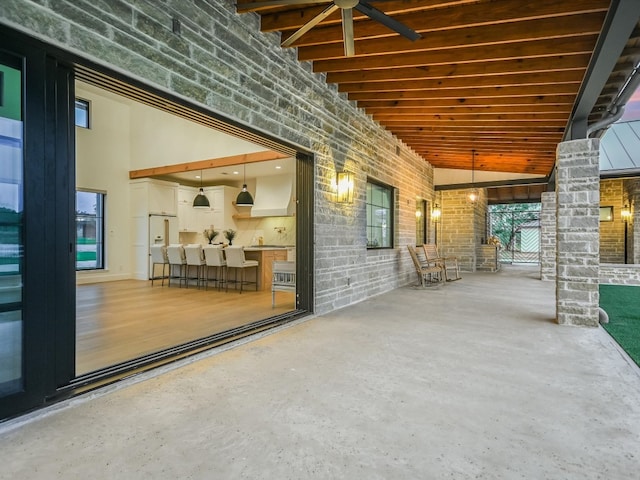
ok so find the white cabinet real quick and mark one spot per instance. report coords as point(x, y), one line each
point(186, 212)
point(219, 214)
point(148, 197)
point(221, 199)
point(153, 196)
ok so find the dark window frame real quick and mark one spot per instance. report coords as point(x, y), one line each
point(390, 227)
point(99, 230)
point(85, 106)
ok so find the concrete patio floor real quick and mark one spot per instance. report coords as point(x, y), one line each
point(468, 380)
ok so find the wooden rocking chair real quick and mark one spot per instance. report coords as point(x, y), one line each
point(428, 275)
point(448, 264)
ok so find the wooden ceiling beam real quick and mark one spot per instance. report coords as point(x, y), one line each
point(471, 117)
point(466, 70)
point(485, 35)
point(460, 16)
point(462, 93)
point(503, 124)
point(471, 102)
point(293, 17)
point(526, 48)
point(210, 163)
point(464, 110)
point(521, 80)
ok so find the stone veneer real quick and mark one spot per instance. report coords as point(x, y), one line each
point(577, 188)
point(548, 236)
point(620, 274)
point(487, 258)
point(222, 62)
point(612, 232)
point(463, 226)
point(632, 187)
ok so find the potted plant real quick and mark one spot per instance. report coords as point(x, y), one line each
point(230, 235)
point(210, 234)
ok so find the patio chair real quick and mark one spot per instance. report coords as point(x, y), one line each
point(284, 279)
point(428, 274)
point(448, 264)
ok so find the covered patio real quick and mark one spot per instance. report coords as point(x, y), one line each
point(470, 380)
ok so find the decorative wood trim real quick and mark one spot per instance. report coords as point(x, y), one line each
point(210, 163)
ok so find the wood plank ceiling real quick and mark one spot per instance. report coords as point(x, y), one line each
point(498, 77)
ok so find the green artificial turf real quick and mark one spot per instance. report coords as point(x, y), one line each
point(622, 304)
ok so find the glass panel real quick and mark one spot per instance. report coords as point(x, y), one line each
point(89, 230)
point(379, 233)
point(421, 222)
point(11, 231)
point(82, 113)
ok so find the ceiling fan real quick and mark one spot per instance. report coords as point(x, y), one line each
point(346, 7)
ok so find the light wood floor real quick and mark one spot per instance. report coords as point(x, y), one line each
point(119, 321)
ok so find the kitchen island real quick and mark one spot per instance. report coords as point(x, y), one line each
point(265, 254)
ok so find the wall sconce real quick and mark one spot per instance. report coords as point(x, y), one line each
point(418, 214)
point(436, 213)
point(344, 192)
point(625, 213)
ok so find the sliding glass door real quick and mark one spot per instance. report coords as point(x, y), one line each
point(36, 243)
point(11, 226)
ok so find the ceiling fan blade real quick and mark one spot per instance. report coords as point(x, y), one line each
point(276, 3)
point(310, 24)
point(347, 32)
point(387, 21)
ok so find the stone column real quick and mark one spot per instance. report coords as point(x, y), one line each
point(548, 237)
point(578, 214)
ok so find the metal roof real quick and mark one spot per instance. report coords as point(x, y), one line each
point(620, 148)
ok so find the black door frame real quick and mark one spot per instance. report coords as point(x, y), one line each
point(47, 299)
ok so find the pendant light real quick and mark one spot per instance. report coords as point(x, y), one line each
point(244, 197)
point(473, 195)
point(201, 200)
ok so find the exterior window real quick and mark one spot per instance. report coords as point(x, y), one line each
point(379, 215)
point(421, 222)
point(89, 230)
point(82, 113)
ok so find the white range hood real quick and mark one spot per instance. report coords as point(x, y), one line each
point(274, 197)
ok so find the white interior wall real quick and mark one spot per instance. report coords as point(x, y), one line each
point(102, 164)
point(126, 136)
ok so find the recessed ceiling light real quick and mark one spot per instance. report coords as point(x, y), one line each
point(197, 176)
point(236, 172)
point(278, 167)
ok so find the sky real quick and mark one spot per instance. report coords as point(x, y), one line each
point(632, 109)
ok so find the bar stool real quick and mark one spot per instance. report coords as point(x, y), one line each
point(195, 258)
point(176, 256)
point(158, 257)
point(235, 259)
point(214, 257)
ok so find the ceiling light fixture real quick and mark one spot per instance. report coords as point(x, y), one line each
point(473, 195)
point(201, 200)
point(244, 197)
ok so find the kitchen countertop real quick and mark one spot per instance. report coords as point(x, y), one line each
point(267, 247)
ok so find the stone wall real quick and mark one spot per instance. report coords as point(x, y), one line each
point(578, 259)
point(222, 62)
point(487, 258)
point(612, 233)
point(463, 226)
point(548, 236)
point(620, 274)
point(632, 188)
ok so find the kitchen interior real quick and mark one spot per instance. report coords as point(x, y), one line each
point(151, 165)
